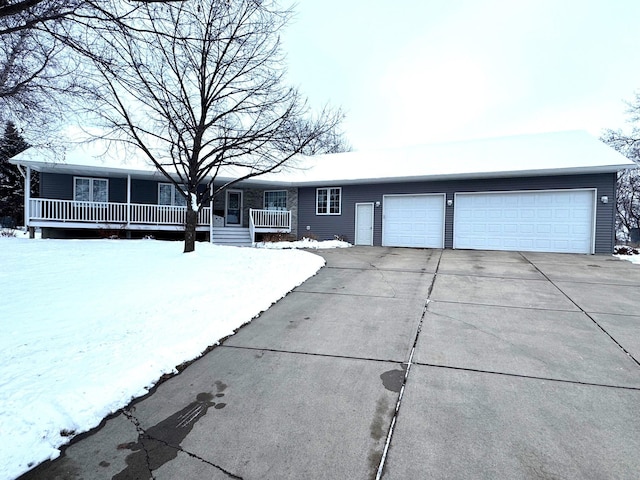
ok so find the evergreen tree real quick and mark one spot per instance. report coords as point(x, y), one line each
point(11, 180)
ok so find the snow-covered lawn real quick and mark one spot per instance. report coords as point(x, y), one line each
point(87, 325)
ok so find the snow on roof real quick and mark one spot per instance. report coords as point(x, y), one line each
point(78, 153)
point(523, 155)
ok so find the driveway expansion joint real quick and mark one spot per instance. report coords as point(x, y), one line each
point(583, 311)
point(510, 306)
point(530, 377)
point(313, 354)
point(345, 294)
point(382, 269)
point(385, 451)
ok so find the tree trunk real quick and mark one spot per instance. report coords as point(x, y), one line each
point(190, 230)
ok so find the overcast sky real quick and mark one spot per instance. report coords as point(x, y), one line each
point(420, 71)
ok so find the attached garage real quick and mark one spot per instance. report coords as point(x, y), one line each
point(535, 221)
point(413, 220)
point(549, 192)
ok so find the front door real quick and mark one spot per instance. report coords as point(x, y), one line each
point(364, 224)
point(233, 210)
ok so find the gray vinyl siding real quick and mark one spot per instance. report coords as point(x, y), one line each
point(144, 191)
point(327, 226)
point(58, 186)
point(118, 190)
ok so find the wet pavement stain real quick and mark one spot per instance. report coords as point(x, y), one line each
point(378, 431)
point(377, 427)
point(295, 323)
point(160, 443)
point(373, 459)
point(61, 469)
point(392, 380)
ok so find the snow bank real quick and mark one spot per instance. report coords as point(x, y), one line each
point(630, 258)
point(304, 243)
point(89, 325)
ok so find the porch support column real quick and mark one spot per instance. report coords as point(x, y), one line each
point(128, 199)
point(211, 213)
point(27, 197)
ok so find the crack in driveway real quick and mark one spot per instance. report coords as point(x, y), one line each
point(160, 443)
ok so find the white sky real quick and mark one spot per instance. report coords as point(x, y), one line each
point(421, 71)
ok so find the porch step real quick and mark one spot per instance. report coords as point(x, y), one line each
point(239, 237)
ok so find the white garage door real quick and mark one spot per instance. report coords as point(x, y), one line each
point(413, 221)
point(544, 221)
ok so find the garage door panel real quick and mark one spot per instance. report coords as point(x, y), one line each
point(413, 221)
point(558, 221)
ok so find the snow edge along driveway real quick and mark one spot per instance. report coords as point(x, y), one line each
point(89, 325)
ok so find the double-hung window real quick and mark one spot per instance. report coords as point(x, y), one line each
point(87, 189)
point(275, 200)
point(168, 194)
point(328, 201)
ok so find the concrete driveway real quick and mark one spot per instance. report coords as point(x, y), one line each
point(521, 365)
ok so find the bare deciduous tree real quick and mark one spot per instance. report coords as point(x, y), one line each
point(20, 15)
point(628, 181)
point(36, 70)
point(38, 61)
point(198, 86)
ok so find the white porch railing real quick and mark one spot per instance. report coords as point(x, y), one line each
point(164, 214)
point(271, 218)
point(269, 221)
point(120, 213)
point(71, 211)
point(47, 210)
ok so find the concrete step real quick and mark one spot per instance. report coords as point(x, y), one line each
point(232, 236)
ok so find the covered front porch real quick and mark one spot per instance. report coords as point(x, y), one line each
point(53, 213)
point(79, 200)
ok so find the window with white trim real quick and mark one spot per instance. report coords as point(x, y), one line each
point(275, 200)
point(168, 194)
point(86, 189)
point(328, 201)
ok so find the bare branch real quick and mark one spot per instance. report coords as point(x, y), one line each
point(198, 87)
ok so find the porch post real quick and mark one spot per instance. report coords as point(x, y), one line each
point(211, 213)
point(128, 199)
point(27, 197)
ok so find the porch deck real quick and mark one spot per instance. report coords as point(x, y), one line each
point(45, 212)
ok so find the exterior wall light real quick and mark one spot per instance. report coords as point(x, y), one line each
point(449, 203)
point(377, 204)
point(604, 199)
